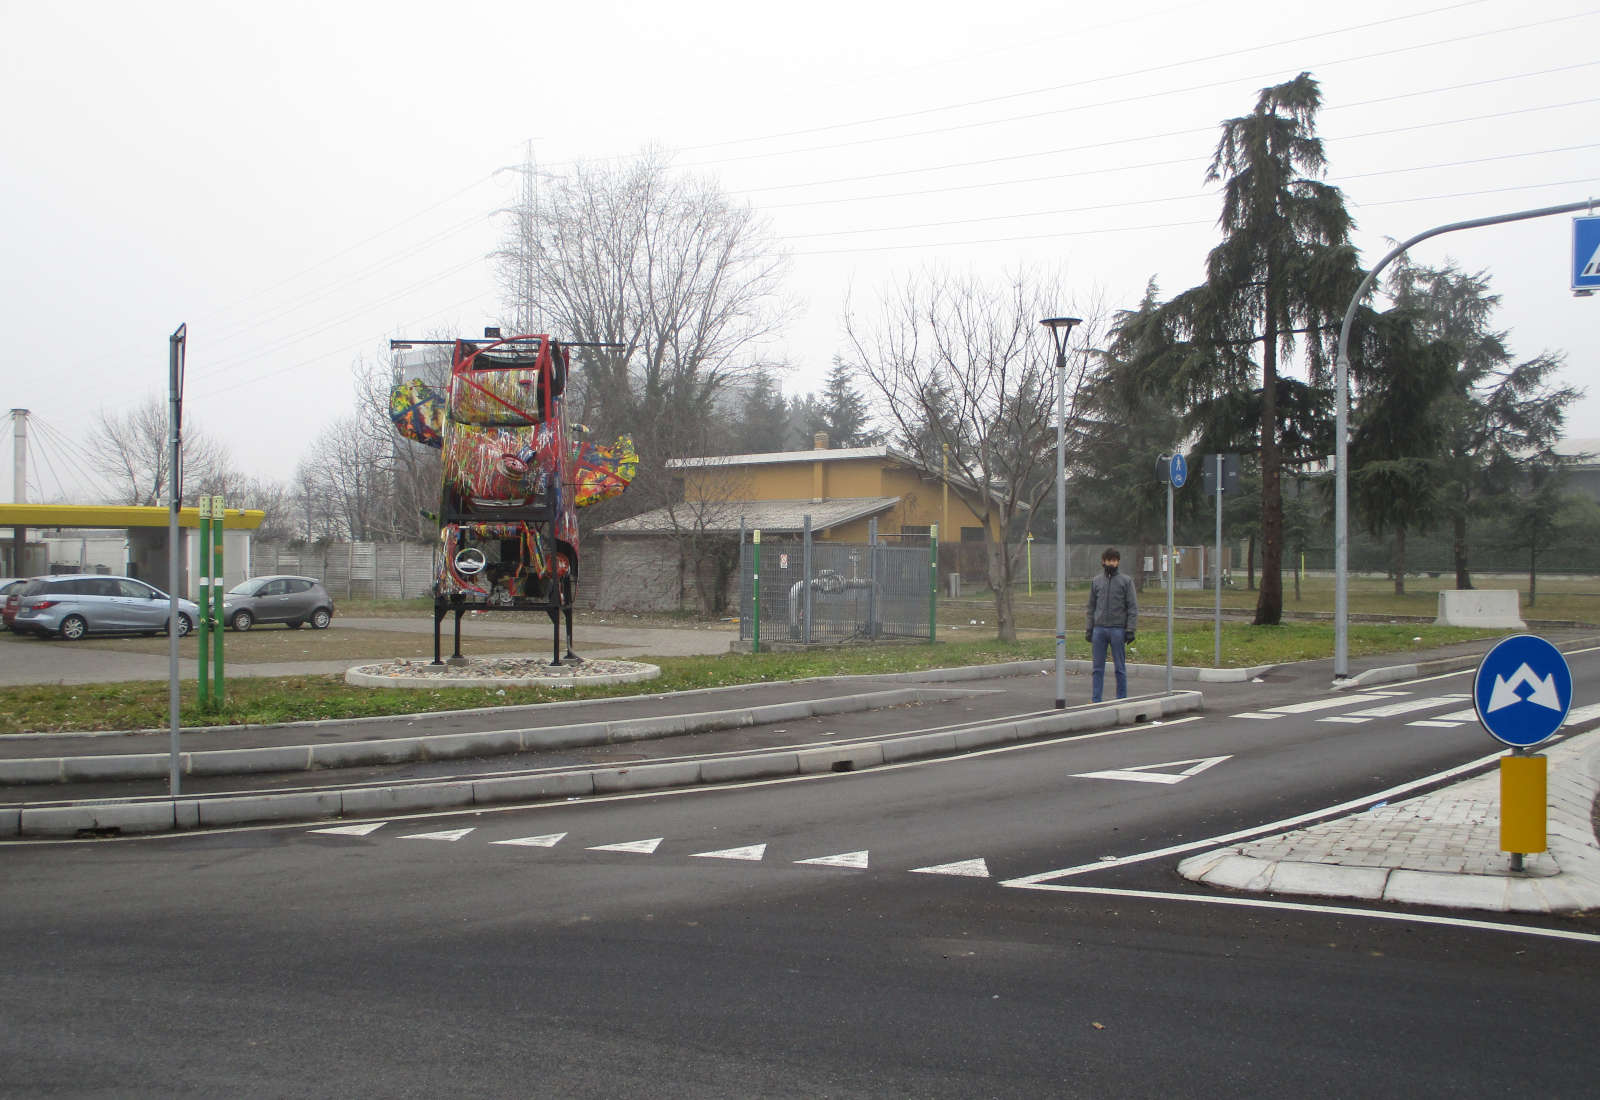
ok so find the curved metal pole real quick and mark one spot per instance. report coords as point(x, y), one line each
point(1341, 500)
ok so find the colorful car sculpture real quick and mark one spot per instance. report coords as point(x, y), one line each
point(513, 478)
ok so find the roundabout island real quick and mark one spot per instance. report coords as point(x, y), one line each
point(499, 672)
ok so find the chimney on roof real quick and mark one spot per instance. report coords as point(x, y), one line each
point(819, 441)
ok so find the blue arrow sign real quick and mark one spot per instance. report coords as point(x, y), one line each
point(1179, 471)
point(1522, 691)
point(1586, 253)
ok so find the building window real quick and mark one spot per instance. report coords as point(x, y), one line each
point(972, 534)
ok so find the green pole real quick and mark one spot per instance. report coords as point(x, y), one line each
point(1030, 563)
point(202, 628)
point(933, 583)
point(755, 594)
point(217, 589)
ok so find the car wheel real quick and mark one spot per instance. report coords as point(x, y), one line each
point(185, 624)
point(320, 618)
point(243, 620)
point(74, 627)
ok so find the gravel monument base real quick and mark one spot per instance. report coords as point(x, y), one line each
point(499, 672)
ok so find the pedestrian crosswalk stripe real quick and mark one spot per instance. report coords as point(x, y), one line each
point(1254, 714)
point(1406, 706)
point(751, 852)
point(353, 830)
point(644, 847)
point(1347, 718)
point(970, 868)
point(451, 835)
point(1324, 704)
point(549, 840)
point(854, 860)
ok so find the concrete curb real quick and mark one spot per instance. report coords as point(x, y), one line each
point(1573, 784)
point(448, 746)
point(1390, 674)
point(168, 815)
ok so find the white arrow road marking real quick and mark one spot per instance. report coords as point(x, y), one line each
point(1149, 773)
point(854, 860)
point(751, 852)
point(1504, 692)
point(451, 835)
point(644, 847)
point(353, 830)
point(969, 868)
point(549, 840)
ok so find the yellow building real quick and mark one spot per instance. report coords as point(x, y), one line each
point(645, 560)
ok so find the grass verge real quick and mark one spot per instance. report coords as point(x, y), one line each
point(143, 704)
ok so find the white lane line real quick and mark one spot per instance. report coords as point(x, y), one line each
point(1148, 773)
point(1324, 704)
point(1406, 706)
point(967, 868)
point(643, 847)
point(450, 835)
point(854, 860)
point(750, 852)
point(548, 840)
point(1436, 725)
point(1270, 827)
point(1348, 719)
point(1256, 714)
point(1454, 718)
point(353, 830)
point(1305, 907)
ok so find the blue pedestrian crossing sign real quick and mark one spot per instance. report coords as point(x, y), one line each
point(1586, 253)
point(1178, 471)
point(1522, 691)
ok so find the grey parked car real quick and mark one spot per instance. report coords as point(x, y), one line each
point(292, 600)
point(77, 605)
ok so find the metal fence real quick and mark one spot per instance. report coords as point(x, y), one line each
point(817, 592)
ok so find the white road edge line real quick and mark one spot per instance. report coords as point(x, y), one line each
point(1306, 907)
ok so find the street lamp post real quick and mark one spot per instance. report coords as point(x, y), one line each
point(1060, 328)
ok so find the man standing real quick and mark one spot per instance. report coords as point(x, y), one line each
point(1113, 617)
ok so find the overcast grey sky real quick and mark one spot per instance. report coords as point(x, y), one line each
point(299, 181)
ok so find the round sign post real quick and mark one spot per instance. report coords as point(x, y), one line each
point(1522, 692)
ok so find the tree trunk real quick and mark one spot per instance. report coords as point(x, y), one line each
point(1269, 604)
point(1400, 561)
point(1458, 549)
point(1005, 615)
point(1533, 575)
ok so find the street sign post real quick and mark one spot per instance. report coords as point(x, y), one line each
point(1522, 692)
point(1174, 470)
point(1586, 254)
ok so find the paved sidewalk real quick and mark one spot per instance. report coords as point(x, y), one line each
point(1438, 849)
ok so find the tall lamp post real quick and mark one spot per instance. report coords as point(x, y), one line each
point(1060, 328)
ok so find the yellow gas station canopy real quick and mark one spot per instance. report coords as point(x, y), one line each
point(119, 515)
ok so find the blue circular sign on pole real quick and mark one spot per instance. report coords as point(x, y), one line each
point(1178, 470)
point(1522, 691)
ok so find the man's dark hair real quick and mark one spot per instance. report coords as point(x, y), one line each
point(1111, 554)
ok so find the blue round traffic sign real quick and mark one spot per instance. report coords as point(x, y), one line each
point(1179, 471)
point(1522, 691)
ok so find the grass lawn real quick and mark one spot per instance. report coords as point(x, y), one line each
point(143, 704)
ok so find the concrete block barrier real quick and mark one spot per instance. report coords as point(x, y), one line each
point(117, 817)
point(287, 758)
point(846, 758)
point(917, 747)
point(353, 754)
point(731, 769)
point(300, 806)
point(99, 769)
point(532, 788)
point(646, 777)
point(371, 801)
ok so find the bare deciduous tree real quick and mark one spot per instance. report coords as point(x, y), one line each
point(134, 455)
point(664, 265)
point(960, 362)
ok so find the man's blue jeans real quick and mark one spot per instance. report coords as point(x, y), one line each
point(1109, 636)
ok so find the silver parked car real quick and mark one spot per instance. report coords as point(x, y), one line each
point(73, 606)
point(292, 600)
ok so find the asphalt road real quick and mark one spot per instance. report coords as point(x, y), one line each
point(642, 946)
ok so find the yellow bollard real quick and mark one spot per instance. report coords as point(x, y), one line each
point(1522, 803)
